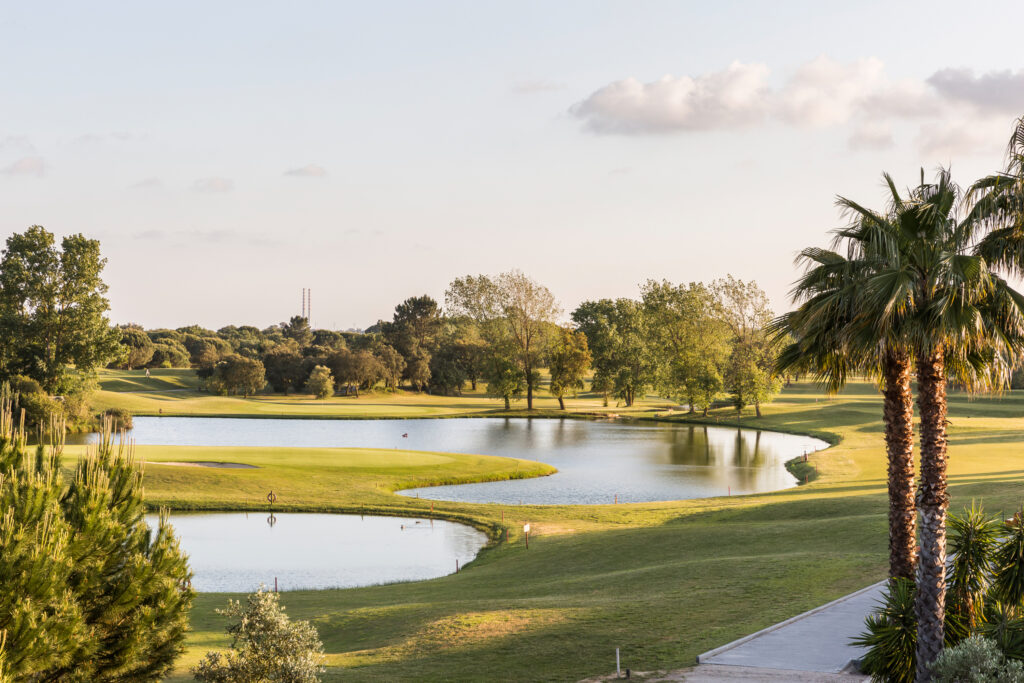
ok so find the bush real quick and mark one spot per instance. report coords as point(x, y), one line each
point(985, 597)
point(320, 382)
point(266, 646)
point(976, 660)
point(120, 419)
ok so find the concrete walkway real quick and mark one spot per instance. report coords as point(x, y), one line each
point(815, 642)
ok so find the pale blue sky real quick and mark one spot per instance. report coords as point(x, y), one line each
point(229, 154)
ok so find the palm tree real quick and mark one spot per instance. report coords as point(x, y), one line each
point(960, 319)
point(911, 289)
point(828, 346)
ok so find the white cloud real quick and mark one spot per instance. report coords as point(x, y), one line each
point(214, 185)
point(27, 166)
point(308, 171)
point(147, 182)
point(723, 99)
point(825, 92)
point(956, 112)
point(996, 91)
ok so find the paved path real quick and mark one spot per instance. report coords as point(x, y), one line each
point(817, 641)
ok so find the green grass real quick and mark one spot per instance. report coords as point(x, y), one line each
point(177, 392)
point(661, 581)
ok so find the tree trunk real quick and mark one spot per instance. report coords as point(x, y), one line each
point(508, 404)
point(473, 382)
point(757, 409)
point(561, 403)
point(932, 503)
point(898, 416)
point(706, 411)
point(606, 399)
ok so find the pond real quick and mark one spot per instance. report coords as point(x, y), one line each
point(236, 551)
point(598, 461)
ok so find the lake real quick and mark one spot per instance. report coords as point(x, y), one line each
point(598, 461)
point(236, 551)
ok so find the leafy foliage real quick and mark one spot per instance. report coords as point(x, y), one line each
point(320, 382)
point(53, 307)
point(266, 646)
point(977, 660)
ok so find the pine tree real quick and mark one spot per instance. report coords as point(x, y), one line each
point(87, 592)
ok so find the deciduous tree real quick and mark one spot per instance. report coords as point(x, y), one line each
point(53, 309)
point(570, 359)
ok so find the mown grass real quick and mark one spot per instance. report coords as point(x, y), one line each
point(177, 392)
point(661, 581)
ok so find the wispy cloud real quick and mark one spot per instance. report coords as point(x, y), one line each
point(26, 166)
point(307, 171)
point(212, 185)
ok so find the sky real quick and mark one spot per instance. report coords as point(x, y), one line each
point(228, 155)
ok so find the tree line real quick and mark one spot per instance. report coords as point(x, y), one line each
point(696, 343)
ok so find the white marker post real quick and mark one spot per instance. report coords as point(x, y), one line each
point(526, 530)
point(618, 669)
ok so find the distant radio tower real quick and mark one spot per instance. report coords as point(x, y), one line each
point(307, 303)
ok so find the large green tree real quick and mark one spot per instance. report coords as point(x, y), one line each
point(620, 340)
point(570, 359)
point(413, 332)
point(515, 315)
point(750, 374)
point(53, 308)
point(691, 340)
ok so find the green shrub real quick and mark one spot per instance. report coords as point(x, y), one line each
point(120, 418)
point(985, 597)
point(976, 660)
point(266, 646)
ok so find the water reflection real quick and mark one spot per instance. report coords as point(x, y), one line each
point(235, 552)
point(597, 460)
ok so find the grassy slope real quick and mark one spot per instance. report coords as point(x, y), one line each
point(661, 581)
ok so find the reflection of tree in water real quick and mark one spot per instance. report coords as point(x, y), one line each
point(733, 458)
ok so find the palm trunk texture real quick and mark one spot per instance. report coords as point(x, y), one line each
point(932, 503)
point(898, 414)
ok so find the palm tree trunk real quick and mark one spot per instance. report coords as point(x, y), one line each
point(932, 503)
point(898, 415)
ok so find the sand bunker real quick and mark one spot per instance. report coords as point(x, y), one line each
point(206, 463)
